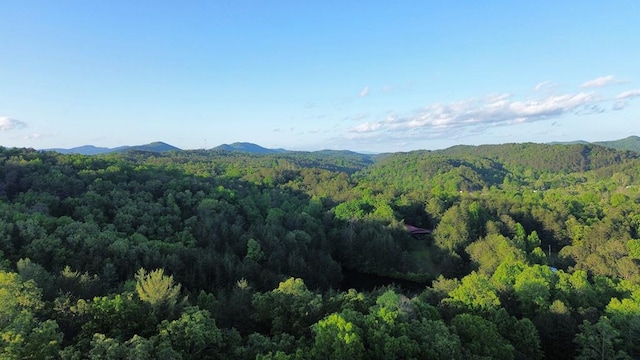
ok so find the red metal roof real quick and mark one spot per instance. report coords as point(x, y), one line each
point(416, 230)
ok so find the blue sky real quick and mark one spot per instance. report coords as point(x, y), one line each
point(365, 76)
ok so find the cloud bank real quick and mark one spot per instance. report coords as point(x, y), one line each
point(624, 97)
point(475, 115)
point(601, 81)
point(544, 85)
point(7, 123)
point(33, 136)
point(628, 94)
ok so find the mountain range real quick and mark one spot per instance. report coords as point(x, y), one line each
point(631, 143)
point(157, 146)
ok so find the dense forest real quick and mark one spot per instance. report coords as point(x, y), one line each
point(532, 252)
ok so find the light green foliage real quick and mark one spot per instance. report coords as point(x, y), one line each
point(337, 338)
point(383, 211)
point(491, 250)
point(22, 335)
point(634, 248)
point(388, 307)
point(293, 286)
point(158, 290)
point(533, 241)
point(17, 295)
point(533, 288)
point(520, 237)
point(576, 289)
point(453, 233)
point(476, 292)
point(625, 317)
point(352, 210)
point(623, 308)
point(618, 199)
point(558, 307)
point(537, 256)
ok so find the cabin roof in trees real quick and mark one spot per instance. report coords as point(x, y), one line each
point(414, 230)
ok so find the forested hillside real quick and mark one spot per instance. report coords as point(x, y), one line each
point(557, 158)
point(532, 252)
point(629, 143)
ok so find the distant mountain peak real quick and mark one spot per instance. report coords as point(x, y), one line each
point(156, 146)
point(248, 147)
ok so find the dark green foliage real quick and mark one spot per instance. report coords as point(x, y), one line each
point(534, 249)
point(480, 338)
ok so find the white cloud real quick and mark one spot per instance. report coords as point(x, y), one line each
point(619, 105)
point(364, 91)
point(544, 85)
point(484, 115)
point(629, 94)
point(7, 123)
point(357, 117)
point(601, 81)
point(624, 97)
point(477, 114)
point(34, 136)
point(367, 127)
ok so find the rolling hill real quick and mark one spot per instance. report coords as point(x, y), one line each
point(575, 157)
point(248, 148)
point(157, 146)
point(631, 143)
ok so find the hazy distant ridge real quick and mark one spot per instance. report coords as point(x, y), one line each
point(631, 143)
point(84, 150)
point(157, 146)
